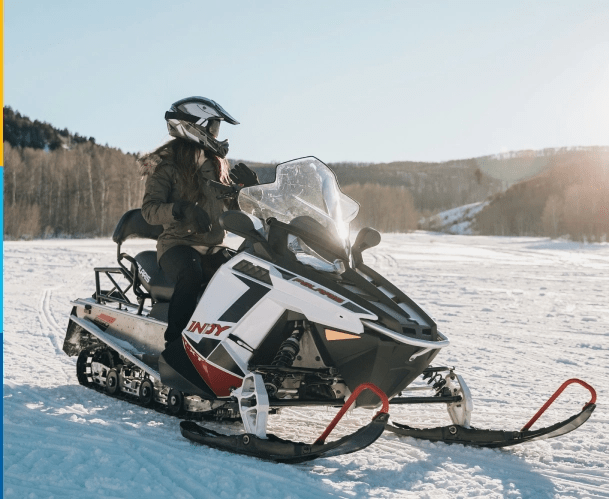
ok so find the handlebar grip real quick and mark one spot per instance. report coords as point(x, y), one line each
point(226, 189)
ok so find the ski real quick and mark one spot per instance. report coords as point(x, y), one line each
point(258, 444)
point(466, 435)
point(279, 450)
point(476, 437)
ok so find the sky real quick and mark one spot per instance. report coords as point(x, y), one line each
point(342, 80)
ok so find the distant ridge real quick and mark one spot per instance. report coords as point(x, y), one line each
point(21, 131)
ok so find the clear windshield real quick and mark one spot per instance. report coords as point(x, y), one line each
point(303, 187)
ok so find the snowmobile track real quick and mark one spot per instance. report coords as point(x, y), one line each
point(156, 406)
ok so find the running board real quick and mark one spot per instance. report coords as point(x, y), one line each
point(115, 345)
point(456, 434)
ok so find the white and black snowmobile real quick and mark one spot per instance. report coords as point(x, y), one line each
point(293, 318)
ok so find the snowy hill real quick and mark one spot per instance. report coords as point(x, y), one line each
point(460, 220)
point(522, 315)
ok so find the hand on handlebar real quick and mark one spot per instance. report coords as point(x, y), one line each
point(226, 191)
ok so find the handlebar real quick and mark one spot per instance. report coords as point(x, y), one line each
point(227, 191)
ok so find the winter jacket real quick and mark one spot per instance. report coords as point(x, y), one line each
point(164, 186)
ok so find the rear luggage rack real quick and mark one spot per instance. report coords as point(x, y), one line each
point(117, 294)
point(131, 224)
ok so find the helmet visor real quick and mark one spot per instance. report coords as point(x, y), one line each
point(213, 128)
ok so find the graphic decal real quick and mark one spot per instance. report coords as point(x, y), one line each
point(245, 302)
point(222, 358)
point(332, 335)
point(321, 291)
point(215, 329)
point(354, 308)
point(219, 380)
point(204, 344)
point(143, 273)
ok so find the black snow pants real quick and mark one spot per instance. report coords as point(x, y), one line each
point(192, 271)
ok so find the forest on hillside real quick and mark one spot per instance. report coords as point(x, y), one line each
point(81, 191)
point(85, 190)
point(59, 184)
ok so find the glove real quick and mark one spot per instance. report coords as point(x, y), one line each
point(243, 176)
point(192, 215)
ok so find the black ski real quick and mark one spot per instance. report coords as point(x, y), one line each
point(455, 434)
point(276, 449)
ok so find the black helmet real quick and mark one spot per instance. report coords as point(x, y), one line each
point(198, 119)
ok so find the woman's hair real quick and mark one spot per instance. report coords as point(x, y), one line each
point(186, 156)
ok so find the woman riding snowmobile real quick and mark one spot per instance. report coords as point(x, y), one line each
point(178, 197)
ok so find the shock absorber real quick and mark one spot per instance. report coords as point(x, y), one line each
point(289, 348)
point(285, 357)
point(438, 381)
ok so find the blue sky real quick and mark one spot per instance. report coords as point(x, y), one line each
point(341, 80)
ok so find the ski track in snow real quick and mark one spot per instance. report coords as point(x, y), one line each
point(522, 314)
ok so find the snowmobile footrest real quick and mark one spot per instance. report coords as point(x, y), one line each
point(284, 451)
point(455, 434)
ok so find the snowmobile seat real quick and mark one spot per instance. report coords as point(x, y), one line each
point(158, 285)
point(152, 276)
point(144, 265)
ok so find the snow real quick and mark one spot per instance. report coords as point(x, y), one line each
point(522, 314)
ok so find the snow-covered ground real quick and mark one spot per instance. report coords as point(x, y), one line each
point(522, 314)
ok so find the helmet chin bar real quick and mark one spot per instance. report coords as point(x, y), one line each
point(222, 148)
point(218, 148)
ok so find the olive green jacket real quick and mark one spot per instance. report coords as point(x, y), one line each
point(164, 186)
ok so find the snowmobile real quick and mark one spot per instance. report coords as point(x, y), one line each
point(294, 318)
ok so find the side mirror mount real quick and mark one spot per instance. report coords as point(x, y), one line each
point(366, 238)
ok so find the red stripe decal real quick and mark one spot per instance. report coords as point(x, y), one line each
point(106, 318)
point(218, 380)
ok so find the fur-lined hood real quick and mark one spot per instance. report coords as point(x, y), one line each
point(148, 163)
